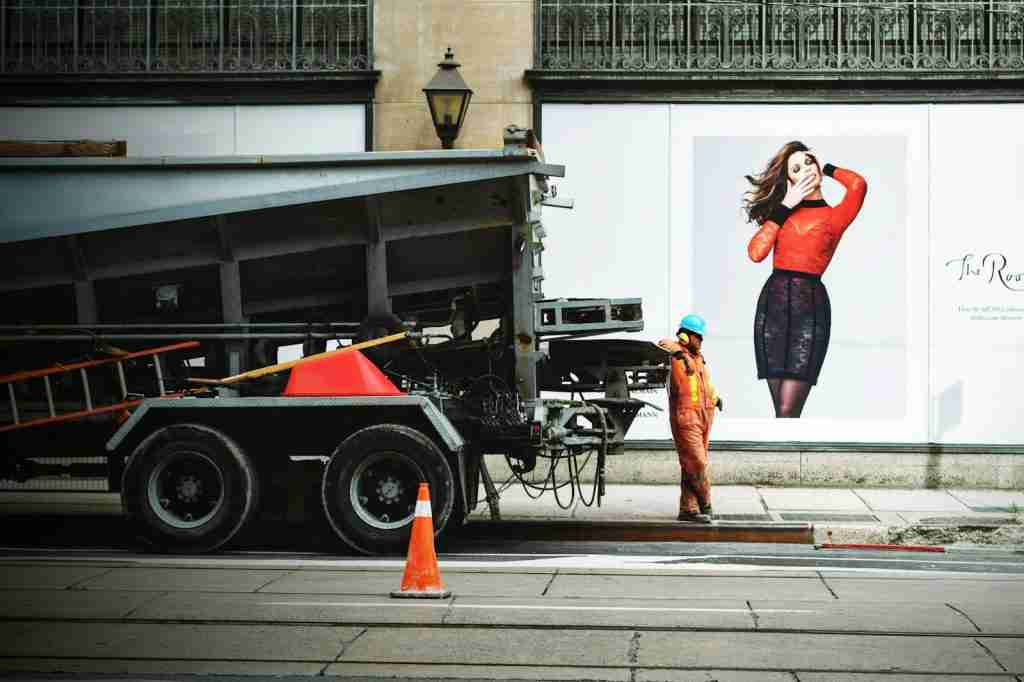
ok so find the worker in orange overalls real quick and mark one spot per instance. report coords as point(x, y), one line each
point(692, 401)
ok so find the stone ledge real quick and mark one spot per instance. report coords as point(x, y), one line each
point(899, 469)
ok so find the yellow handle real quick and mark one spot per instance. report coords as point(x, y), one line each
point(684, 338)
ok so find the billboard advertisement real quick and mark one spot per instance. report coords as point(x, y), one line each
point(848, 259)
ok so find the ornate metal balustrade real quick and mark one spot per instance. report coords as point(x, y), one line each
point(184, 36)
point(868, 37)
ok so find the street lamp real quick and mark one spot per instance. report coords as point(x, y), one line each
point(448, 98)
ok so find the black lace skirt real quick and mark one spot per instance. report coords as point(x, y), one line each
point(792, 326)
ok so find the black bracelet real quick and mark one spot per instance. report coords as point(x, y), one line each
point(828, 169)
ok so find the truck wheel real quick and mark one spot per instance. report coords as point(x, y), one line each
point(189, 488)
point(370, 487)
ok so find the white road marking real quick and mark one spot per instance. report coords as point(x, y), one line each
point(655, 564)
point(530, 607)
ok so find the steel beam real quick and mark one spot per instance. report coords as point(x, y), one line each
point(378, 300)
point(441, 283)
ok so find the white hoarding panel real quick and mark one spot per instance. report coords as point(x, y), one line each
point(614, 243)
point(977, 273)
point(873, 379)
point(197, 131)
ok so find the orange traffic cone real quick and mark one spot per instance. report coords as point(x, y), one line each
point(422, 578)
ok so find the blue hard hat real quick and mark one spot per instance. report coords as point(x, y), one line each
point(693, 323)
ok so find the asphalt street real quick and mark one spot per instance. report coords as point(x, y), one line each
point(553, 611)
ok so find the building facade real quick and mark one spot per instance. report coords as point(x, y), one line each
point(658, 108)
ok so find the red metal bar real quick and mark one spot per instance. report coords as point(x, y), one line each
point(895, 548)
point(37, 373)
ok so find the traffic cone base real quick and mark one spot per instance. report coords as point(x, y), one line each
point(415, 594)
point(422, 579)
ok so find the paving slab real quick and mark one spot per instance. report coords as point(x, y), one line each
point(993, 593)
point(957, 518)
point(813, 499)
point(731, 614)
point(844, 616)
point(72, 603)
point(736, 499)
point(789, 651)
point(1003, 499)
point(688, 587)
point(173, 642)
point(886, 677)
point(490, 646)
point(383, 582)
point(1009, 652)
point(114, 666)
point(711, 676)
point(292, 608)
point(49, 576)
point(911, 500)
point(632, 502)
point(182, 579)
point(478, 672)
point(1007, 619)
point(515, 503)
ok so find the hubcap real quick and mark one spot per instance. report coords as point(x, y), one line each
point(186, 489)
point(383, 490)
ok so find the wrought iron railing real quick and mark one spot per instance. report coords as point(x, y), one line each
point(857, 36)
point(184, 36)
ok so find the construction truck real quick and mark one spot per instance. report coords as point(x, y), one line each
point(447, 349)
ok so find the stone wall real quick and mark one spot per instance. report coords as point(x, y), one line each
point(492, 39)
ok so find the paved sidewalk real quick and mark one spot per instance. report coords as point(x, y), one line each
point(850, 514)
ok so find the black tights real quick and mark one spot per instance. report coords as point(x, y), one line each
point(789, 396)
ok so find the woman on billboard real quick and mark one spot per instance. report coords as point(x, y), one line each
point(794, 317)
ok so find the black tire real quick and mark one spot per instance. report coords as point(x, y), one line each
point(389, 459)
point(189, 488)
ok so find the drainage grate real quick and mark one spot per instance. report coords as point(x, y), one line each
point(810, 516)
point(742, 517)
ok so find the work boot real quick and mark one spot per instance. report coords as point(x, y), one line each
point(693, 517)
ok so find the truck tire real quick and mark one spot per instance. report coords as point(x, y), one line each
point(189, 488)
point(371, 482)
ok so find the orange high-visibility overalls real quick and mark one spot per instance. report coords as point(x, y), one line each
point(691, 403)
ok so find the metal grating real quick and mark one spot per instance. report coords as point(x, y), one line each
point(60, 483)
point(812, 517)
point(855, 36)
point(184, 36)
point(760, 518)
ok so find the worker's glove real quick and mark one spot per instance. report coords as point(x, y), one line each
point(719, 404)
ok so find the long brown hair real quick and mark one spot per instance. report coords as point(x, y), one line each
point(769, 185)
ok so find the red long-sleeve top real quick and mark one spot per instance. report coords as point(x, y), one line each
point(805, 238)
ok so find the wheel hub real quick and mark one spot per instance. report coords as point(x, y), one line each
point(383, 489)
point(389, 490)
point(189, 488)
point(186, 490)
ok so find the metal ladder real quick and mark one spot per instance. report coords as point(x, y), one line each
point(90, 409)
